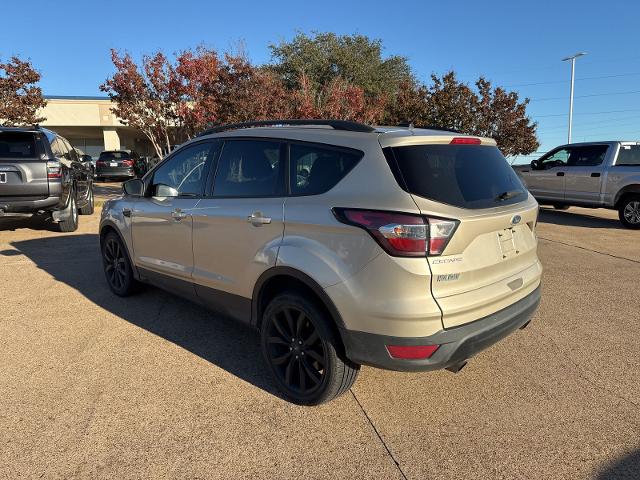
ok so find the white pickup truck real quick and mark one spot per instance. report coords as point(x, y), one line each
point(594, 174)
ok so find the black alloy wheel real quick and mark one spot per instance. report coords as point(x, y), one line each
point(300, 350)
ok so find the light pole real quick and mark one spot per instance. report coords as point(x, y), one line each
point(573, 68)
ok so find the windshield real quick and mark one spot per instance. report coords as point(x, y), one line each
point(467, 176)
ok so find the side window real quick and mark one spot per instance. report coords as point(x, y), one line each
point(558, 158)
point(56, 148)
point(587, 156)
point(315, 169)
point(72, 153)
point(249, 168)
point(184, 173)
point(629, 155)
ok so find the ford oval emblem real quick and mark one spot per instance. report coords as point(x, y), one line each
point(516, 219)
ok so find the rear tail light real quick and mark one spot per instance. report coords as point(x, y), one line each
point(401, 234)
point(127, 163)
point(54, 169)
point(412, 352)
point(101, 163)
point(465, 141)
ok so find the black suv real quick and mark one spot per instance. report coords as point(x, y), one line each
point(117, 164)
point(41, 173)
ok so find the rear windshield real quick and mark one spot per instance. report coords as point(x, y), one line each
point(629, 155)
point(17, 145)
point(467, 176)
point(114, 155)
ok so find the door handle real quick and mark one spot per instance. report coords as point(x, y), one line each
point(560, 174)
point(126, 212)
point(257, 219)
point(595, 174)
point(178, 214)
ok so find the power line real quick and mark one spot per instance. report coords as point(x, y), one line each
point(587, 113)
point(577, 79)
point(585, 96)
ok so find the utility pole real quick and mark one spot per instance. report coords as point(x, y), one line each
point(573, 68)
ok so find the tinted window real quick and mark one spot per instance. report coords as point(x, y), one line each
point(557, 158)
point(587, 156)
point(115, 155)
point(465, 176)
point(185, 171)
point(629, 155)
point(249, 168)
point(316, 170)
point(17, 145)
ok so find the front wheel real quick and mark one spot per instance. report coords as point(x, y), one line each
point(301, 351)
point(629, 212)
point(117, 267)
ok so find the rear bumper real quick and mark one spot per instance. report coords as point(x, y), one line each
point(456, 344)
point(125, 172)
point(25, 205)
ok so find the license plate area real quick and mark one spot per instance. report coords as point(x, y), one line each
point(3, 177)
point(113, 164)
point(507, 243)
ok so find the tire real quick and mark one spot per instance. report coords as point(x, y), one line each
point(302, 353)
point(560, 206)
point(629, 211)
point(89, 208)
point(70, 224)
point(117, 266)
point(99, 179)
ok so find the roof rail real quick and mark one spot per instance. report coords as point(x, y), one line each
point(345, 125)
point(411, 126)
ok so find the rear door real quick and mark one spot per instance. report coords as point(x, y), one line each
point(584, 173)
point(490, 260)
point(23, 165)
point(238, 228)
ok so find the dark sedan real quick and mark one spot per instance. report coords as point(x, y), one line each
point(116, 164)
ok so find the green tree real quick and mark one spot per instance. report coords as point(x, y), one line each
point(324, 57)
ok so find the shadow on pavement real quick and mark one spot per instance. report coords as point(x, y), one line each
point(628, 467)
point(33, 222)
point(75, 260)
point(110, 190)
point(574, 219)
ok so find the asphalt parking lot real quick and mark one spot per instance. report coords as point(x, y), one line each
point(92, 385)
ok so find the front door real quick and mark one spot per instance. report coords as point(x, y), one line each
point(238, 227)
point(545, 180)
point(162, 222)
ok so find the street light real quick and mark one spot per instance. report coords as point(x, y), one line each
point(573, 67)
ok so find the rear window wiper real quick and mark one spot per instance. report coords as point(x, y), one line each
point(507, 195)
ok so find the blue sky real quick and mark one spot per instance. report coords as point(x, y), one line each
point(515, 44)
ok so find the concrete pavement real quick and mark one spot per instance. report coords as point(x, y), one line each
point(94, 386)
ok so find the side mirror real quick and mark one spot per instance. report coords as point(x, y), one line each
point(163, 190)
point(535, 165)
point(133, 187)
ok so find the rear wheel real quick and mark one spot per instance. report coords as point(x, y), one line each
point(629, 211)
point(299, 347)
point(89, 207)
point(561, 206)
point(117, 267)
point(70, 223)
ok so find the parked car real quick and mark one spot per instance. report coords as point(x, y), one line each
point(90, 161)
point(118, 164)
point(591, 174)
point(405, 249)
point(41, 173)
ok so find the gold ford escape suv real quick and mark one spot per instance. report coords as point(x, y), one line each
point(344, 244)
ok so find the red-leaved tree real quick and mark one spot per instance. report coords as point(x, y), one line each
point(20, 95)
